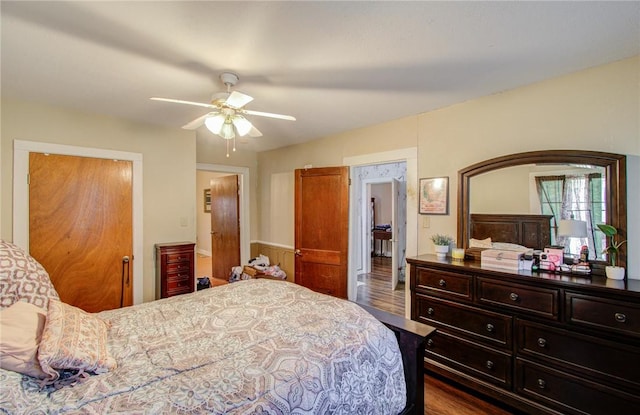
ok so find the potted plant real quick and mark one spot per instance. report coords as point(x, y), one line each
point(441, 243)
point(613, 271)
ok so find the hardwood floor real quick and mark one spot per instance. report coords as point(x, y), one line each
point(203, 269)
point(442, 398)
point(374, 289)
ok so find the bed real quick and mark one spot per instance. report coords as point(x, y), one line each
point(531, 231)
point(252, 347)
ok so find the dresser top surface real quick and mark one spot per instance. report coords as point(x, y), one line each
point(626, 286)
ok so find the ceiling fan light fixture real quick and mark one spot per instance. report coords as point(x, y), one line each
point(214, 123)
point(226, 131)
point(243, 126)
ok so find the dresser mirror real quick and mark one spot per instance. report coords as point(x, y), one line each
point(568, 185)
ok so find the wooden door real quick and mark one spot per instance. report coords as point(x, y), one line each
point(80, 228)
point(225, 226)
point(322, 229)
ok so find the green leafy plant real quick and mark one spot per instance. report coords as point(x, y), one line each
point(614, 246)
point(439, 239)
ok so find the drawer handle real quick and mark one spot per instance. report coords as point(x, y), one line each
point(514, 296)
point(430, 342)
point(542, 342)
point(442, 283)
point(620, 317)
point(541, 383)
point(430, 311)
point(489, 364)
point(490, 328)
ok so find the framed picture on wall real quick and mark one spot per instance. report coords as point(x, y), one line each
point(434, 196)
point(207, 200)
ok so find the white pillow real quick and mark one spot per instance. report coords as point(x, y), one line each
point(21, 326)
point(506, 246)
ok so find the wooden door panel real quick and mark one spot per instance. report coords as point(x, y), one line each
point(322, 229)
point(323, 278)
point(80, 227)
point(225, 226)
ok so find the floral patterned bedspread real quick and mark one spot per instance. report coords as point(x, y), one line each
point(251, 347)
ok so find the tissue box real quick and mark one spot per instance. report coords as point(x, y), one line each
point(500, 259)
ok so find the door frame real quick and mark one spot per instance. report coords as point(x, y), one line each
point(410, 156)
point(245, 213)
point(21, 150)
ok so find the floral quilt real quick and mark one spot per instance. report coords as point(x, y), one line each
point(252, 347)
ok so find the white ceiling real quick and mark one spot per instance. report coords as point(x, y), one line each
point(335, 66)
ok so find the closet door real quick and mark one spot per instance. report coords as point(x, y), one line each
point(322, 229)
point(80, 228)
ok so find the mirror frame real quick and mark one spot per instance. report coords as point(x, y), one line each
point(615, 166)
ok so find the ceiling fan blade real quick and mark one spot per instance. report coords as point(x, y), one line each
point(195, 124)
point(238, 99)
point(180, 101)
point(254, 132)
point(270, 115)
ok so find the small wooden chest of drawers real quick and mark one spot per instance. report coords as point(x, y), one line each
point(175, 268)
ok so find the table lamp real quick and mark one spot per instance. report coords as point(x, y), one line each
point(572, 228)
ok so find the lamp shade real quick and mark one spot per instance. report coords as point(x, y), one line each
point(214, 124)
point(572, 228)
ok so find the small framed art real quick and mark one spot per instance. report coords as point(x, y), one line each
point(207, 200)
point(434, 196)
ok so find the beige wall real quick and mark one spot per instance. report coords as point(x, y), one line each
point(168, 159)
point(596, 109)
point(212, 149)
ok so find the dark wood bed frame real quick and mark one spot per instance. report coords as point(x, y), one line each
point(412, 337)
point(532, 231)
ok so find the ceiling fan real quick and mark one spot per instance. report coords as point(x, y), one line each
point(227, 118)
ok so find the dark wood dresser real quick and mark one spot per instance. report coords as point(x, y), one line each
point(543, 343)
point(175, 268)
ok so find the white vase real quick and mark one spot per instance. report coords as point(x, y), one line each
point(615, 273)
point(442, 251)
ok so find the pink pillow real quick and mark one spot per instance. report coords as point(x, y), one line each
point(21, 327)
point(74, 340)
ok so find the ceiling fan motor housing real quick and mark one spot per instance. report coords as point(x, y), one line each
point(229, 79)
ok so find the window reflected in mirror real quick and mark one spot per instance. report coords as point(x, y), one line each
point(574, 195)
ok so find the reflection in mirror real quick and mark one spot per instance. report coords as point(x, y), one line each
point(574, 195)
point(546, 182)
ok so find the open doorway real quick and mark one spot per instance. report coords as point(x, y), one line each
point(380, 202)
point(205, 173)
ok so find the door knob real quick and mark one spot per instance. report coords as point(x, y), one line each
point(297, 252)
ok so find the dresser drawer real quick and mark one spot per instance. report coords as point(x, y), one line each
point(571, 394)
point(178, 284)
point(621, 317)
point(486, 326)
point(479, 361)
point(178, 276)
point(542, 302)
point(603, 359)
point(178, 266)
point(179, 257)
point(445, 284)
